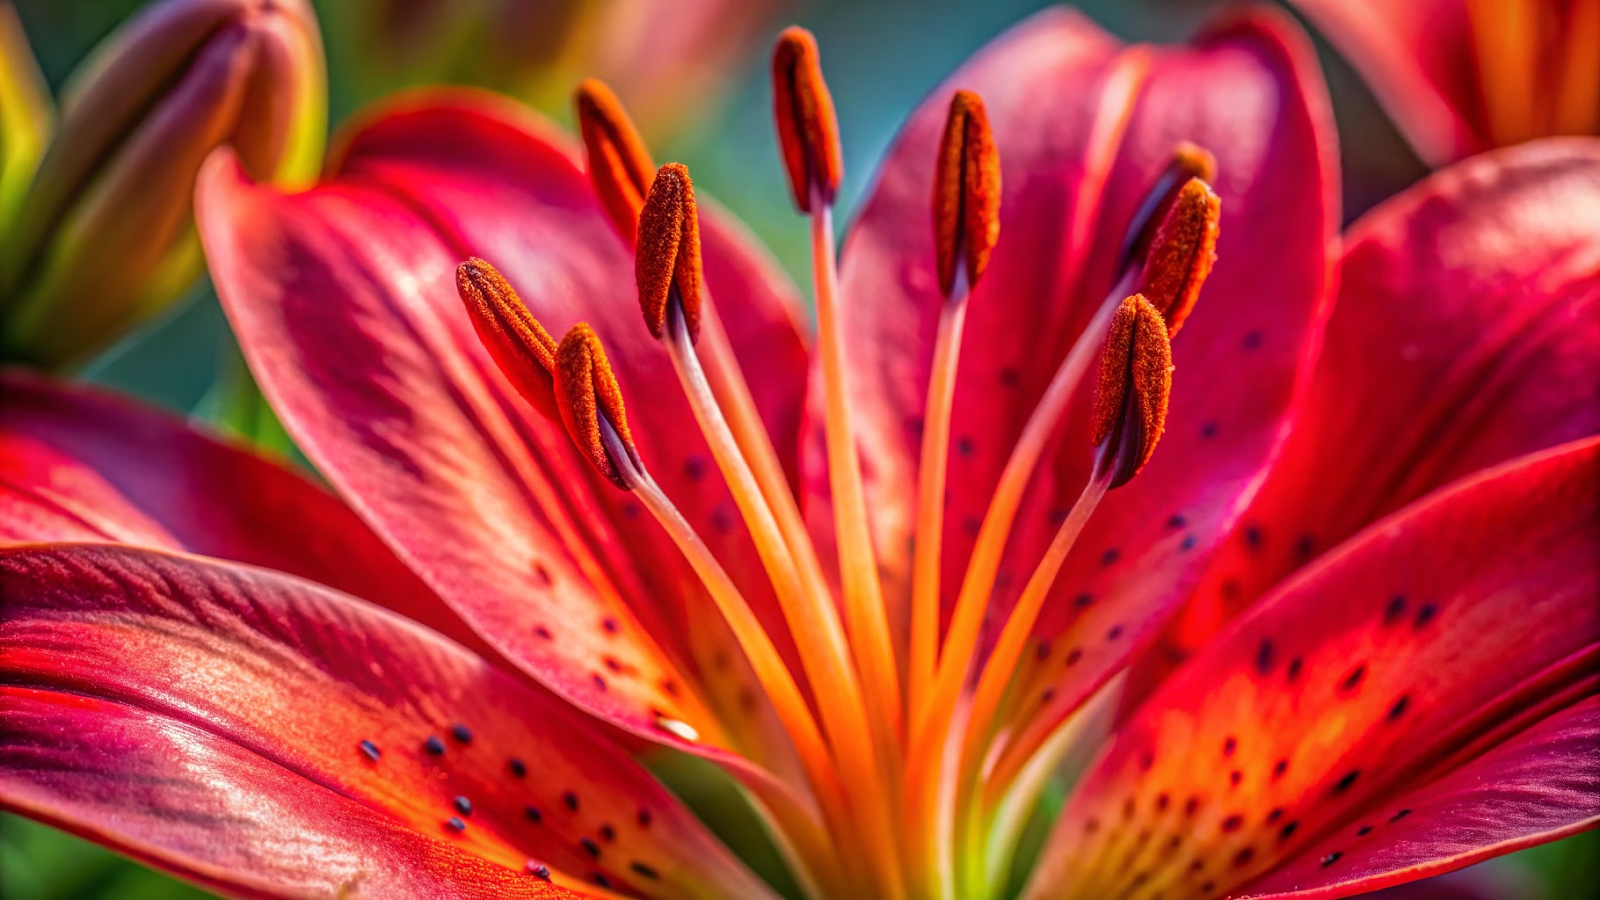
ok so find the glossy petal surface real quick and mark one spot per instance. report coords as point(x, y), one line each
point(1465, 334)
point(78, 464)
point(323, 702)
point(345, 303)
point(1435, 635)
point(1536, 787)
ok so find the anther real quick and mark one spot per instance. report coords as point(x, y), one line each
point(1182, 253)
point(966, 192)
point(808, 132)
point(619, 162)
point(1130, 406)
point(516, 341)
point(1188, 161)
point(667, 259)
point(591, 403)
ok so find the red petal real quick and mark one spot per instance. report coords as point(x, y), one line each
point(211, 811)
point(1418, 59)
point(1435, 635)
point(298, 677)
point(1058, 92)
point(1537, 787)
point(81, 465)
point(345, 303)
point(1465, 334)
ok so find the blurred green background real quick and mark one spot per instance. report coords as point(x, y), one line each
point(881, 56)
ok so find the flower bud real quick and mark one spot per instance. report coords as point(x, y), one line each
point(26, 116)
point(105, 237)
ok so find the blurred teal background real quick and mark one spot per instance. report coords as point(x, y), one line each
point(881, 56)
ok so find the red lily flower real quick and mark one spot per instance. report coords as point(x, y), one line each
point(458, 457)
point(1459, 77)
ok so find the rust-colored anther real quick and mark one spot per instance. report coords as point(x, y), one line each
point(808, 131)
point(667, 256)
point(1188, 161)
point(519, 345)
point(966, 192)
point(1182, 253)
point(1130, 404)
point(586, 392)
point(619, 162)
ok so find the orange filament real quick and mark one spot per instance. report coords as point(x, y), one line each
point(808, 132)
point(1002, 662)
point(1182, 252)
point(586, 393)
point(928, 548)
point(668, 255)
point(865, 614)
point(966, 192)
point(775, 678)
point(820, 638)
point(1188, 161)
point(619, 162)
point(961, 638)
point(1130, 403)
point(519, 345)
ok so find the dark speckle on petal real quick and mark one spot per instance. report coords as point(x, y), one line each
point(538, 871)
point(518, 768)
point(1344, 783)
point(533, 814)
point(590, 847)
point(570, 800)
point(433, 745)
point(454, 823)
point(462, 805)
point(370, 750)
point(1425, 614)
point(643, 871)
point(461, 733)
point(1331, 858)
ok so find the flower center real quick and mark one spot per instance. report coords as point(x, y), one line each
point(891, 764)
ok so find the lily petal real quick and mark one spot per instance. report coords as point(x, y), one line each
point(1083, 127)
point(1537, 787)
point(1434, 636)
point(345, 303)
point(292, 682)
point(1418, 59)
point(104, 770)
point(1465, 335)
point(77, 464)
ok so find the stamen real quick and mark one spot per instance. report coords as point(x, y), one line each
point(519, 345)
point(1182, 253)
point(1130, 406)
point(619, 162)
point(966, 191)
point(809, 137)
point(1188, 161)
point(1130, 410)
point(668, 256)
point(966, 225)
point(590, 401)
point(802, 592)
point(808, 132)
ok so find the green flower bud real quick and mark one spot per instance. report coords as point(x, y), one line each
point(105, 237)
